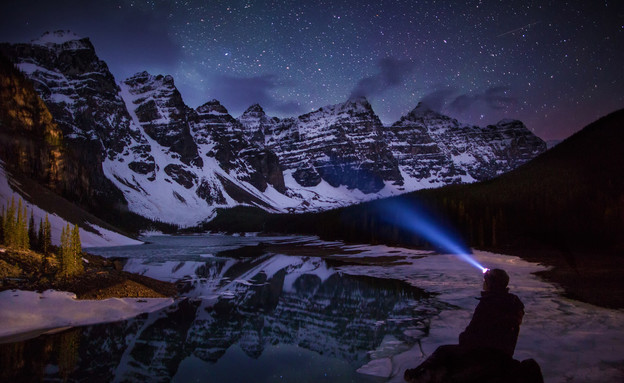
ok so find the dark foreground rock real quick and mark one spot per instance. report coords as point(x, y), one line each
point(457, 364)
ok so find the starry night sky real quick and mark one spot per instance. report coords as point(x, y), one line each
point(555, 65)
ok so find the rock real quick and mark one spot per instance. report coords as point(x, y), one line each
point(180, 175)
point(454, 363)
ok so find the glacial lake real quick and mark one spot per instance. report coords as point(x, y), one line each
point(298, 309)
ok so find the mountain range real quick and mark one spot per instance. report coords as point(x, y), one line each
point(134, 144)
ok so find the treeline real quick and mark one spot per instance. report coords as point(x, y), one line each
point(20, 233)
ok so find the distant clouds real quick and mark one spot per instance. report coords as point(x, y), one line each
point(436, 100)
point(238, 93)
point(391, 72)
point(493, 98)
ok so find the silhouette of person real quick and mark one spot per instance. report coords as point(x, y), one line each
point(486, 346)
point(496, 320)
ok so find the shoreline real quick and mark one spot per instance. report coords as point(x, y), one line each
point(22, 336)
point(33, 301)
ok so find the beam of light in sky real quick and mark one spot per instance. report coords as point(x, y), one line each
point(416, 219)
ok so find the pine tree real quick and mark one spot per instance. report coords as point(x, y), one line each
point(32, 231)
point(63, 253)
point(76, 247)
point(71, 252)
point(47, 236)
point(40, 237)
point(2, 215)
point(18, 240)
point(24, 243)
point(9, 224)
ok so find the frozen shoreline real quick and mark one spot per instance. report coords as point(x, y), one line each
point(28, 314)
point(571, 340)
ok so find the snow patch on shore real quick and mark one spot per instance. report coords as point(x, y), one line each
point(27, 314)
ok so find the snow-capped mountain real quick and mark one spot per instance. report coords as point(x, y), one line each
point(432, 146)
point(341, 144)
point(346, 144)
point(177, 164)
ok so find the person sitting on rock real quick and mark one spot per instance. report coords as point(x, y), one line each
point(486, 346)
point(496, 320)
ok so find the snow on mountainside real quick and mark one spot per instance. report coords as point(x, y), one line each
point(431, 145)
point(177, 164)
point(58, 37)
point(345, 144)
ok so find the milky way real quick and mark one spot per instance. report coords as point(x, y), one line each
point(556, 66)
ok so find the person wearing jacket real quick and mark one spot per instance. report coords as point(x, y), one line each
point(486, 346)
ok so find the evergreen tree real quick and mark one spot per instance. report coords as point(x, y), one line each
point(47, 236)
point(32, 231)
point(9, 224)
point(70, 252)
point(76, 247)
point(63, 253)
point(24, 243)
point(2, 214)
point(19, 223)
point(40, 237)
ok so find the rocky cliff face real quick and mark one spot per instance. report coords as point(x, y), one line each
point(34, 145)
point(222, 138)
point(178, 164)
point(345, 144)
point(162, 114)
point(341, 144)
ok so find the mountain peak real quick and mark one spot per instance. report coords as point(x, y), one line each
point(359, 101)
point(57, 38)
point(212, 107)
point(139, 76)
point(423, 110)
point(254, 110)
point(422, 107)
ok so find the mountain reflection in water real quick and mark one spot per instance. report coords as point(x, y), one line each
point(269, 318)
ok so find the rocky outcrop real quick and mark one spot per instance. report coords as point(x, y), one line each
point(222, 136)
point(33, 144)
point(163, 115)
point(341, 144)
point(345, 144)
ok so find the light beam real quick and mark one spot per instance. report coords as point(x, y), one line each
point(417, 220)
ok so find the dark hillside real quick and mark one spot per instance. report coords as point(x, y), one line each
point(570, 196)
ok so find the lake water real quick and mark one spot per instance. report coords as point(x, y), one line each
point(296, 309)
